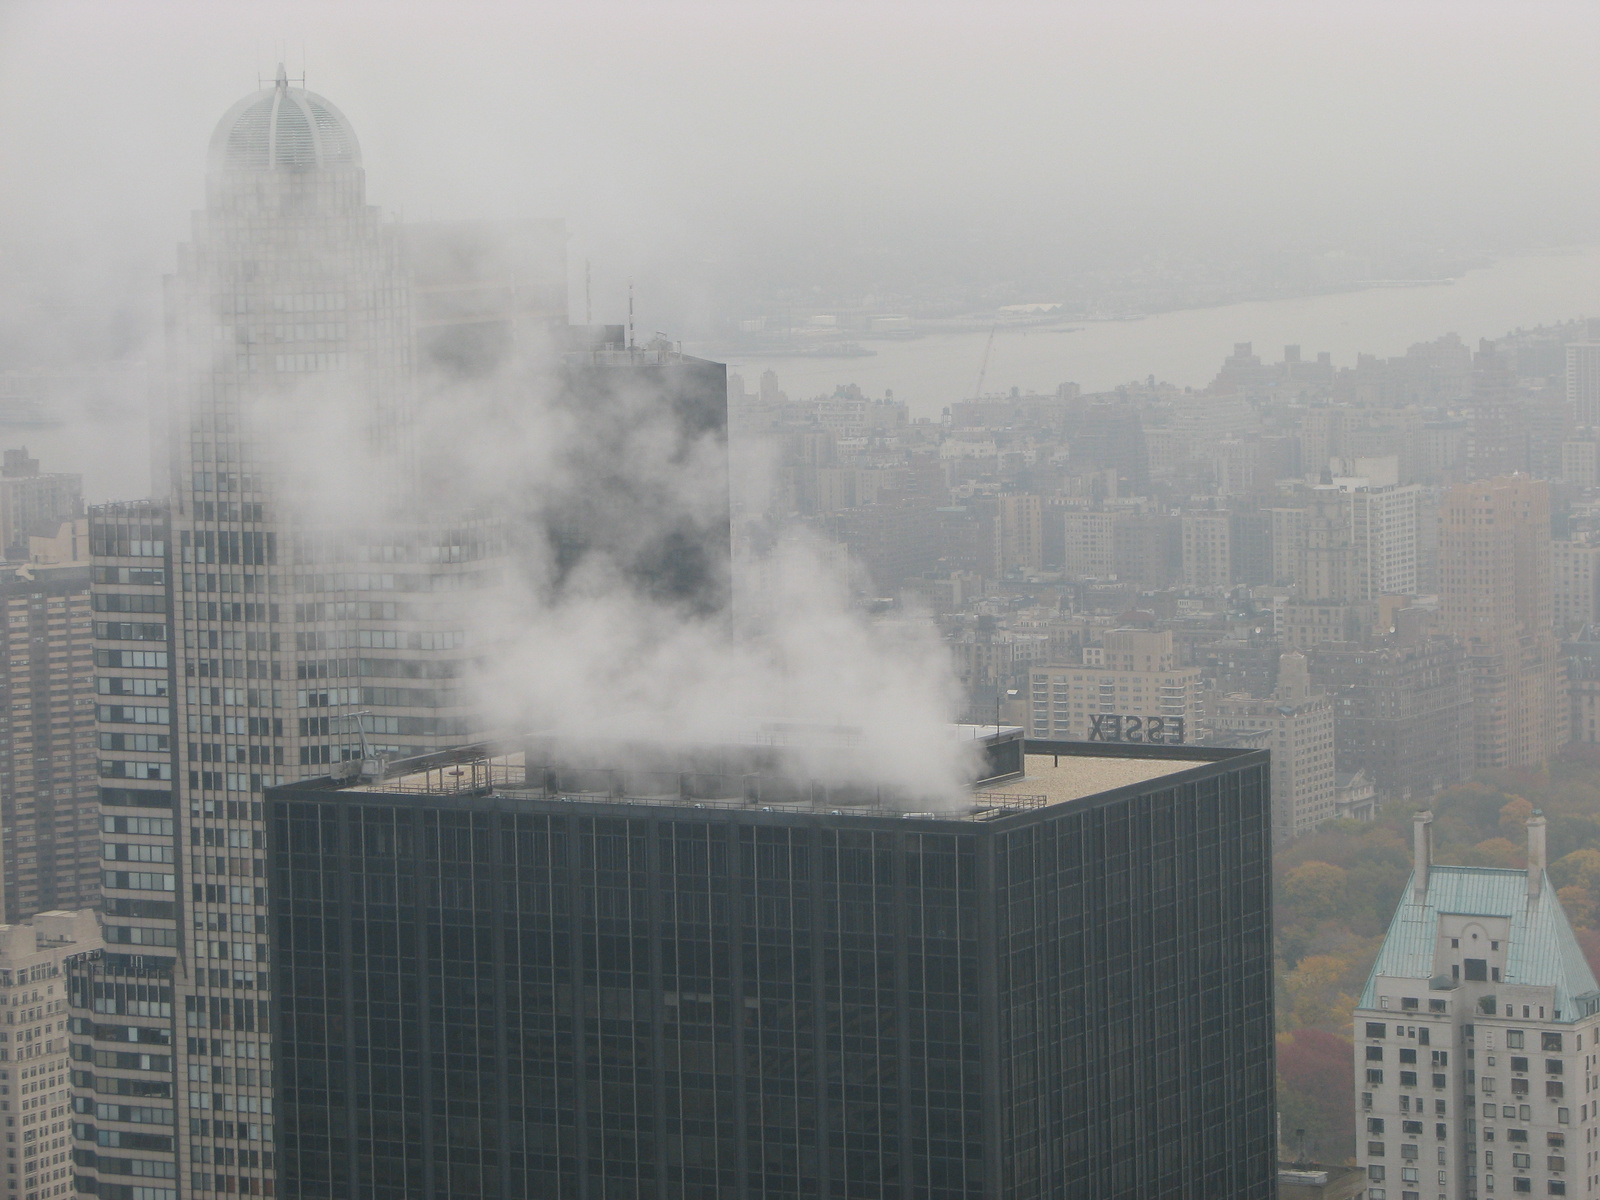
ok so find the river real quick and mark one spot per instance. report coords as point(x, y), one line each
point(1187, 347)
point(111, 447)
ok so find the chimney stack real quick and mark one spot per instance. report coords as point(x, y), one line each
point(1421, 855)
point(1535, 854)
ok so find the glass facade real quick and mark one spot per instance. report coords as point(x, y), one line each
point(502, 995)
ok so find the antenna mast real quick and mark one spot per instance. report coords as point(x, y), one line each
point(630, 314)
point(588, 309)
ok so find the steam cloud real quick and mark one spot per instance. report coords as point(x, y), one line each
point(590, 649)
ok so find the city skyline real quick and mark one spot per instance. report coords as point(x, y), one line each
point(711, 632)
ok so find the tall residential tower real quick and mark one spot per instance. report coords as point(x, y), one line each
point(1495, 596)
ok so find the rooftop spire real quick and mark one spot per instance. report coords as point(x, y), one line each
point(283, 77)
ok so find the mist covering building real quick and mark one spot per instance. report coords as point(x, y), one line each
point(703, 971)
point(300, 596)
point(1495, 596)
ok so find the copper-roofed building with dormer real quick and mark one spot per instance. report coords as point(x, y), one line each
point(1474, 1038)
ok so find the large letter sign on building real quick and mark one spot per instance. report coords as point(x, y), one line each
point(1114, 727)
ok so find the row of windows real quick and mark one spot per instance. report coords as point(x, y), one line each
point(125, 714)
point(236, 726)
point(230, 639)
point(129, 602)
point(379, 639)
point(152, 660)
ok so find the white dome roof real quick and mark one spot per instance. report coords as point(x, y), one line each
point(283, 128)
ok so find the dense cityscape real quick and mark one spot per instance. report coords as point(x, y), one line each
point(505, 755)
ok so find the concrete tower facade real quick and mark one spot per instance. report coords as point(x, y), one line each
point(1495, 596)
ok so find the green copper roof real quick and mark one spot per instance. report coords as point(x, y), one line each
point(1542, 950)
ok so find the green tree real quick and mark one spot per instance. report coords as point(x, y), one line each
point(1312, 999)
point(1315, 890)
point(1581, 868)
point(1514, 816)
point(1495, 852)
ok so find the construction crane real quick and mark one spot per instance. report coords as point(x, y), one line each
point(983, 369)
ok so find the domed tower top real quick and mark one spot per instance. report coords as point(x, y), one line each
point(286, 129)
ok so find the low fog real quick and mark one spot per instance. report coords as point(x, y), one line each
point(722, 155)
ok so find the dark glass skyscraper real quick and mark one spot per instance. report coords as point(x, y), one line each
point(690, 974)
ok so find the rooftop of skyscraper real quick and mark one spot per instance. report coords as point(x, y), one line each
point(795, 769)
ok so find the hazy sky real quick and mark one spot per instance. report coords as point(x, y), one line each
point(706, 147)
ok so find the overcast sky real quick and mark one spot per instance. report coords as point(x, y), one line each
point(702, 147)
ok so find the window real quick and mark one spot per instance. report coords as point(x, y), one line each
point(1374, 1076)
point(1475, 969)
point(1407, 1055)
point(1374, 1124)
point(1553, 1089)
point(1412, 1128)
point(1375, 1172)
point(1437, 1006)
point(1513, 1039)
point(1552, 1066)
point(1555, 1162)
point(1441, 1131)
point(1408, 1151)
point(1374, 1053)
point(1409, 1079)
point(1550, 1043)
point(1408, 1002)
point(1521, 1185)
point(1376, 1029)
point(1556, 1187)
point(1519, 1087)
point(1521, 1161)
point(1516, 1135)
point(1374, 1149)
point(1519, 1063)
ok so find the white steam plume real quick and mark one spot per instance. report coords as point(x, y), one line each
point(598, 654)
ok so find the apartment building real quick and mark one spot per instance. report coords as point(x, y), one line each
point(37, 1072)
point(49, 801)
point(1574, 583)
point(1495, 596)
point(1131, 675)
point(1475, 1038)
point(1301, 725)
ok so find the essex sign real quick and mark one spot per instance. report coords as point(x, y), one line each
point(1115, 727)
